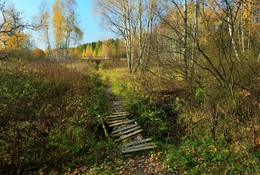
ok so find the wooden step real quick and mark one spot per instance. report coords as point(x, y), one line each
point(119, 112)
point(116, 118)
point(117, 121)
point(137, 149)
point(127, 131)
point(125, 128)
point(129, 135)
point(136, 142)
point(139, 145)
point(121, 123)
point(117, 115)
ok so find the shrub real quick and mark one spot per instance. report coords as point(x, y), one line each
point(48, 116)
point(205, 156)
point(158, 118)
point(38, 53)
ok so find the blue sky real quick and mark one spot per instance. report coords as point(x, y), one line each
point(88, 22)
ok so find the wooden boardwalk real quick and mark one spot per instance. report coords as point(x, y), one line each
point(128, 132)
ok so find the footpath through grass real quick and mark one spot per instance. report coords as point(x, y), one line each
point(117, 80)
point(51, 117)
point(180, 123)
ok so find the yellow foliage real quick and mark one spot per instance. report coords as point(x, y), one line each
point(38, 53)
point(88, 51)
point(13, 42)
point(58, 21)
point(105, 51)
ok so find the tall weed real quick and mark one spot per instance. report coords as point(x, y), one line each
point(48, 116)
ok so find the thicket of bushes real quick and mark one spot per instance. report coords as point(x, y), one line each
point(51, 114)
point(50, 117)
point(201, 129)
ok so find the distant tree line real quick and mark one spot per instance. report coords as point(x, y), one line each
point(111, 48)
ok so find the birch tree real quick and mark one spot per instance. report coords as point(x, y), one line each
point(73, 33)
point(45, 16)
point(146, 19)
point(131, 19)
point(231, 22)
point(195, 36)
point(115, 15)
point(185, 18)
point(58, 24)
point(65, 24)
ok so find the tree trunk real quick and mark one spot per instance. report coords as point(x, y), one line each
point(128, 55)
point(128, 38)
point(48, 43)
point(185, 39)
point(150, 31)
point(242, 30)
point(195, 38)
point(231, 33)
point(140, 35)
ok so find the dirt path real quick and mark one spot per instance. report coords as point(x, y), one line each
point(137, 163)
point(146, 164)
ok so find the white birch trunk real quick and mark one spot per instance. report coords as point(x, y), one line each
point(242, 30)
point(140, 35)
point(193, 60)
point(185, 39)
point(48, 42)
point(128, 37)
point(231, 34)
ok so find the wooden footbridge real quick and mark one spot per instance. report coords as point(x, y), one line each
point(128, 132)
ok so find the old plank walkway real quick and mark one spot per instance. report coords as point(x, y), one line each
point(128, 132)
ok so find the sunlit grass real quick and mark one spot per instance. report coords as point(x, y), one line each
point(116, 79)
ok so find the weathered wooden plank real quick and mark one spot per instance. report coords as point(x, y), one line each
point(122, 112)
point(137, 149)
point(127, 131)
point(116, 118)
point(117, 121)
point(129, 135)
point(119, 112)
point(139, 145)
point(121, 123)
point(117, 115)
point(136, 142)
point(125, 128)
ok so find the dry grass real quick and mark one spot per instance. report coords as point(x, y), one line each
point(116, 78)
point(48, 113)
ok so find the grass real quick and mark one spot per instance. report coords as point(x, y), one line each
point(51, 120)
point(50, 117)
point(117, 80)
point(199, 134)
